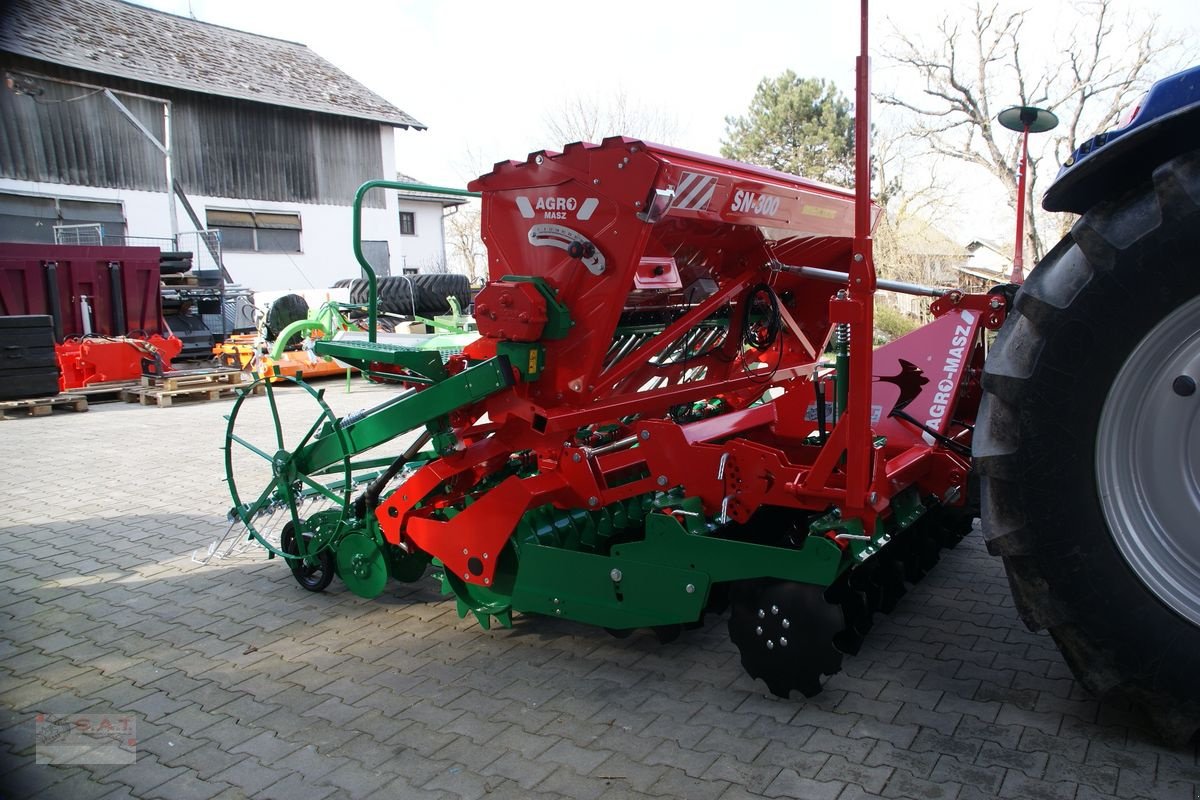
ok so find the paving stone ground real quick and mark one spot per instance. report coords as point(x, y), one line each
point(243, 685)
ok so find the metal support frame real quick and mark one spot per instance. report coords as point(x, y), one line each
point(833, 276)
point(368, 270)
point(164, 146)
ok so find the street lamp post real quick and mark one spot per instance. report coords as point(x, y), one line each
point(1026, 120)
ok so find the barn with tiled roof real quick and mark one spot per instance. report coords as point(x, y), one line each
point(267, 140)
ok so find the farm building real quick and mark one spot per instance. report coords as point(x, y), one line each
point(144, 126)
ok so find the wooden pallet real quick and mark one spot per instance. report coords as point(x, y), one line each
point(42, 406)
point(163, 398)
point(109, 390)
point(179, 380)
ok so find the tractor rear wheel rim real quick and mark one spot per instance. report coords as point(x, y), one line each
point(1148, 460)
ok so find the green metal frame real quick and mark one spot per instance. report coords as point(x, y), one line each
point(368, 270)
point(662, 579)
point(405, 412)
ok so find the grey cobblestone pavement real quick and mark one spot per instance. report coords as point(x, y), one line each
point(243, 685)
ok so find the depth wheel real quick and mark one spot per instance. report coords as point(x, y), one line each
point(312, 570)
point(1089, 448)
point(785, 634)
point(265, 456)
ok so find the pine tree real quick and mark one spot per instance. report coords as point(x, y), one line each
point(802, 126)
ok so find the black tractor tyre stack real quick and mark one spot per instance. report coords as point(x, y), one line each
point(424, 294)
point(173, 263)
point(394, 294)
point(1126, 264)
point(28, 363)
point(432, 291)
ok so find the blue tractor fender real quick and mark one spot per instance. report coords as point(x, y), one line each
point(1165, 124)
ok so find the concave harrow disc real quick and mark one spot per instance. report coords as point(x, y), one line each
point(266, 478)
point(785, 634)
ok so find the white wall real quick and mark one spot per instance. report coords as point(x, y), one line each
point(985, 259)
point(325, 238)
point(426, 249)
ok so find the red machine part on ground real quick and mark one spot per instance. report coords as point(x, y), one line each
point(91, 360)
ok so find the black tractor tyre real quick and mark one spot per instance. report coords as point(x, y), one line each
point(433, 289)
point(1097, 299)
point(283, 312)
point(424, 294)
point(394, 293)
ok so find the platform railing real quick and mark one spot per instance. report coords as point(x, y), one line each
point(368, 270)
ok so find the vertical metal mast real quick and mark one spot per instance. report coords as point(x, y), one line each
point(859, 311)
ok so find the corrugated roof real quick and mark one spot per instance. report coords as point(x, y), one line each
point(444, 199)
point(128, 41)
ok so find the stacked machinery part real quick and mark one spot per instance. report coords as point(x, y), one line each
point(109, 291)
point(28, 367)
point(90, 360)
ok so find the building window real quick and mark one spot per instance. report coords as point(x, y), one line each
point(408, 223)
point(25, 218)
point(256, 231)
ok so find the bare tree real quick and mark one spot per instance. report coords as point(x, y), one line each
point(472, 163)
point(589, 118)
point(465, 242)
point(978, 67)
point(915, 202)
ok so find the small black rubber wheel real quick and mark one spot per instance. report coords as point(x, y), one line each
point(314, 573)
point(1089, 453)
point(283, 312)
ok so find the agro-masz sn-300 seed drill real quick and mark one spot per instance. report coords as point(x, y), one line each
point(674, 406)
